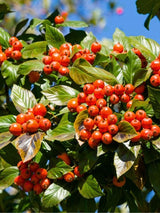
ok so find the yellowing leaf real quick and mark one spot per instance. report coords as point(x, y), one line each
point(28, 145)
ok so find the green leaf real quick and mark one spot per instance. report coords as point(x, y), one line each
point(102, 148)
point(114, 68)
point(79, 120)
point(54, 195)
point(60, 94)
point(7, 176)
point(89, 188)
point(74, 24)
point(6, 121)
point(9, 72)
point(64, 131)
point(20, 25)
point(125, 157)
point(154, 95)
point(142, 75)
point(88, 40)
point(36, 21)
point(34, 50)
point(5, 139)
point(59, 169)
point(10, 155)
point(54, 37)
point(33, 65)
point(120, 37)
point(28, 145)
point(131, 67)
point(101, 59)
point(156, 142)
point(153, 170)
point(147, 21)
point(4, 38)
point(75, 36)
point(23, 99)
point(126, 131)
point(148, 47)
point(87, 159)
point(86, 74)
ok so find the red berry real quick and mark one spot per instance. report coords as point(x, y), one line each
point(80, 108)
point(97, 119)
point(16, 55)
point(95, 47)
point(47, 59)
point(103, 126)
point(25, 173)
point(17, 45)
point(28, 186)
point(37, 189)
point(12, 40)
point(129, 88)
point(155, 80)
point(41, 173)
point(15, 129)
point(108, 90)
point(99, 83)
point(93, 110)
point(114, 99)
point(81, 97)
point(21, 118)
point(140, 89)
point(146, 134)
point(32, 126)
point(97, 136)
point(59, 19)
point(45, 183)
point(100, 103)
point(139, 97)
point(91, 100)
point(84, 134)
point(137, 137)
point(155, 65)
point(34, 166)
point(146, 123)
point(118, 47)
point(47, 69)
point(39, 109)
point(140, 114)
point(105, 112)
point(63, 70)
point(19, 180)
point(29, 115)
point(34, 179)
point(113, 129)
point(69, 177)
point(77, 172)
point(129, 116)
point(119, 89)
point(72, 104)
point(44, 124)
point(65, 61)
point(136, 124)
point(88, 123)
point(88, 89)
point(99, 92)
point(112, 119)
point(156, 130)
point(92, 143)
point(107, 138)
point(55, 65)
point(125, 98)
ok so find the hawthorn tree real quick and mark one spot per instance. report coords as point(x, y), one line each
point(79, 124)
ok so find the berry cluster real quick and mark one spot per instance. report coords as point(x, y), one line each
point(142, 124)
point(155, 78)
point(31, 121)
point(58, 60)
point(97, 93)
point(13, 52)
point(32, 177)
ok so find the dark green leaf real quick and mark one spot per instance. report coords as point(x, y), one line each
point(54, 195)
point(4, 38)
point(7, 176)
point(148, 47)
point(9, 72)
point(88, 40)
point(6, 121)
point(142, 75)
point(89, 188)
point(34, 50)
point(74, 24)
point(60, 94)
point(4, 9)
point(20, 25)
point(10, 155)
point(153, 170)
point(120, 37)
point(79, 120)
point(147, 21)
point(5, 139)
point(33, 65)
point(75, 36)
point(126, 132)
point(23, 99)
point(52, 16)
point(28, 145)
point(36, 21)
point(102, 59)
point(125, 157)
point(86, 74)
point(64, 131)
point(154, 95)
point(102, 148)
point(54, 37)
point(59, 169)
point(131, 67)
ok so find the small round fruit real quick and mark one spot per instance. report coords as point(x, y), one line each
point(44, 124)
point(99, 83)
point(29, 115)
point(140, 89)
point(72, 104)
point(140, 114)
point(105, 112)
point(108, 90)
point(92, 143)
point(146, 134)
point(155, 65)
point(17, 45)
point(88, 89)
point(81, 97)
point(16, 55)
point(84, 134)
point(155, 80)
point(103, 126)
point(112, 119)
point(118, 47)
point(88, 123)
point(37, 189)
point(33, 166)
point(55, 65)
point(32, 126)
point(63, 70)
point(97, 136)
point(47, 69)
point(119, 89)
point(156, 130)
point(136, 138)
point(19, 180)
point(91, 99)
point(22, 165)
point(129, 88)
point(80, 108)
point(47, 59)
point(139, 97)
point(119, 183)
point(15, 129)
point(136, 124)
point(114, 99)
point(93, 110)
point(95, 47)
point(28, 186)
point(125, 98)
point(129, 116)
point(25, 173)
point(77, 172)
point(21, 118)
point(113, 129)
point(45, 183)
point(107, 138)
point(12, 40)
point(41, 173)
point(59, 19)
point(69, 177)
point(34, 179)
point(39, 109)
point(146, 123)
